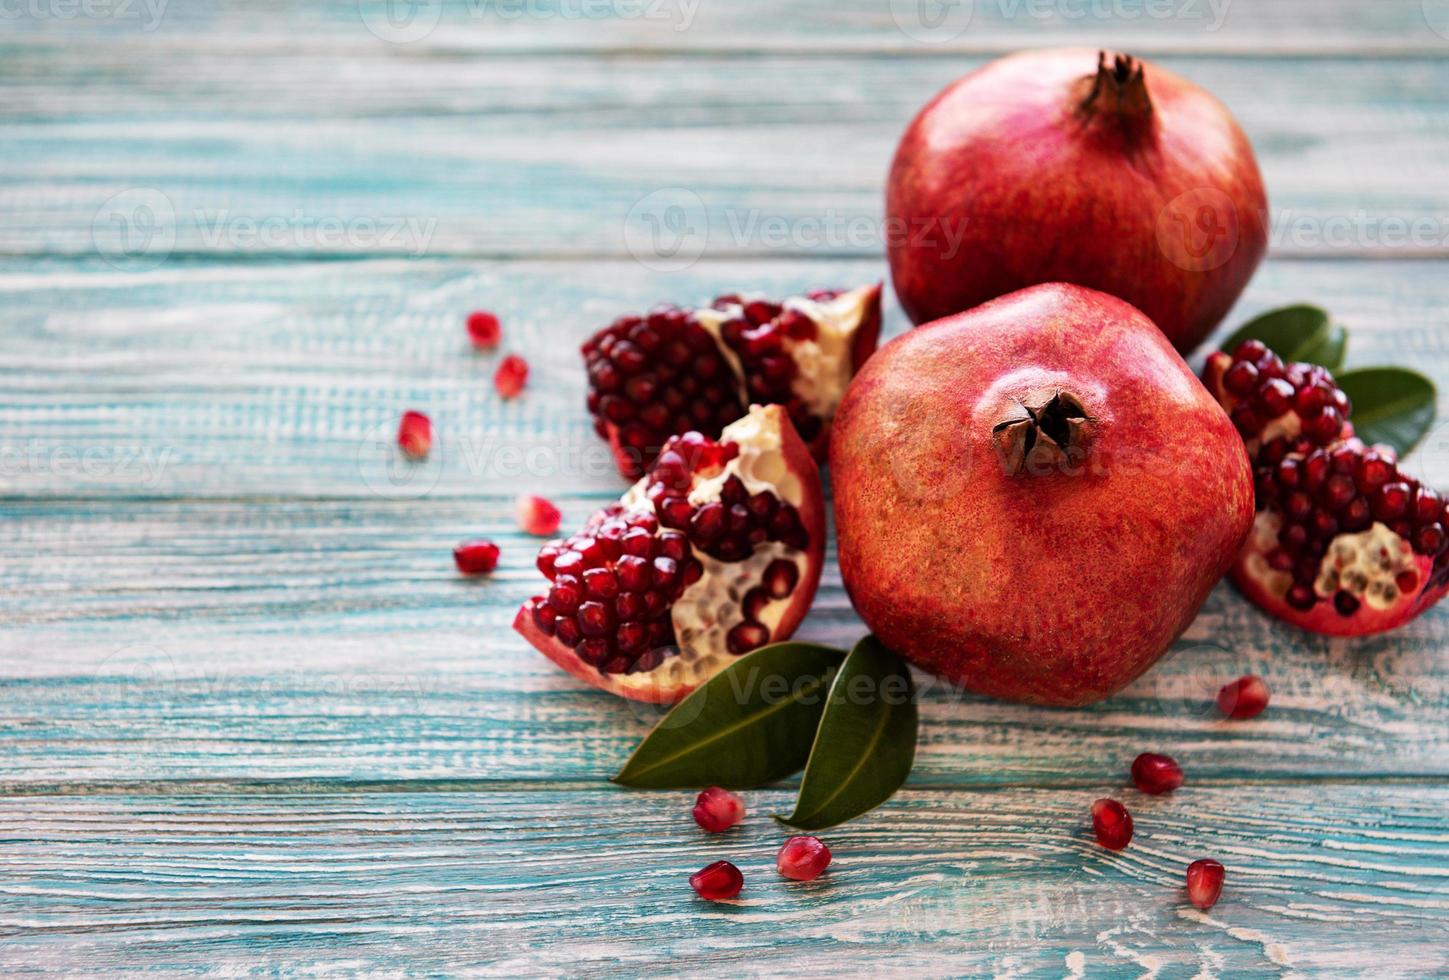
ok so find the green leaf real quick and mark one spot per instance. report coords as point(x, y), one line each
point(1296, 333)
point(1392, 405)
point(866, 744)
point(750, 724)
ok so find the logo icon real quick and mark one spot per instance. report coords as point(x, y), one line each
point(400, 21)
point(135, 230)
point(1198, 230)
point(390, 474)
point(667, 231)
point(933, 21)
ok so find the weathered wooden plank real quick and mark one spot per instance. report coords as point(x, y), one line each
point(1280, 27)
point(219, 381)
point(334, 640)
point(272, 152)
point(1320, 878)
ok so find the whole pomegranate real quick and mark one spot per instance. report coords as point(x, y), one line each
point(716, 551)
point(1039, 168)
point(1034, 498)
point(1345, 543)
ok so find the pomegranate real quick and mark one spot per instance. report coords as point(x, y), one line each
point(1034, 498)
point(1204, 883)
point(713, 553)
point(484, 330)
point(1344, 543)
point(1155, 774)
point(717, 809)
point(537, 515)
point(718, 882)
point(511, 376)
point(415, 435)
point(1112, 824)
point(476, 557)
point(803, 858)
point(1037, 168)
point(1244, 698)
point(677, 370)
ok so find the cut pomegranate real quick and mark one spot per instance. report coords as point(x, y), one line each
point(1156, 774)
point(484, 330)
point(680, 370)
point(511, 376)
point(538, 516)
point(415, 435)
point(1112, 823)
point(476, 557)
point(1343, 542)
point(662, 589)
point(719, 882)
point(717, 810)
point(803, 858)
point(1204, 883)
point(1244, 698)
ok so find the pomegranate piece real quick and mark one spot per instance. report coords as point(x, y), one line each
point(511, 376)
point(981, 203)
point(661, 590)
point(803, 858)
point(484, 330)
point(1112, 823)
point(719, 882)
point(717, 810)
point(1343, 543)
point(1244, 698)
point(1204, 883)
point(1156, 774)
point(476, 557)
point(681, 370)
point(537, 515)
point(415, 435)
point(1034, 498)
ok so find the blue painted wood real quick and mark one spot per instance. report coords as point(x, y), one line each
point(252, 719)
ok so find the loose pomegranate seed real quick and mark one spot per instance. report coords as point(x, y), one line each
point(803, 858)
point(1204, 883)
point(719, 882)
point(415, 435)
point(1155, 774)
point(1112, 823)
point(511, 376)
point(537, 516)
point(484, 330)
point(1245, 697)
point(476, 557)
point(717, 810)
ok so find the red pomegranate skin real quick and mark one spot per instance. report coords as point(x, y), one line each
point(1062, 584)
point(1002, 182)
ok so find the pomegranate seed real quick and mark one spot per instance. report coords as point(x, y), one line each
point(803, 858)
point(1155, 774)
point(1241, 378)
point(1112, 823)
point(717, 810)
point(511, 376)
point(1245, 697)
point(747, 636)
point(476, 557)
point(1204, 883)
point(719, 882)
point(1250, 350)
point(537, 516)
point(415, 435)
point(483, 330)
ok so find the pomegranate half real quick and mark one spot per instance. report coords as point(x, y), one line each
point(1034, 498)
point(1344, 543)
point(680, 370)
point(713, 553)
point(1083, 167)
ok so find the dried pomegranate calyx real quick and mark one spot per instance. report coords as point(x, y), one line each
point(1044, 433)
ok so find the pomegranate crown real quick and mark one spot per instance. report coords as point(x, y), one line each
point(1118, 89)
point(1043, 433)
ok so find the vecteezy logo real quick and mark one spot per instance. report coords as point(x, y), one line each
point(1198, 230)
point(400, 21)
point(1436, 15)
point(933, 21)
point(667, 231)
point(390, 474)
point(135, 230)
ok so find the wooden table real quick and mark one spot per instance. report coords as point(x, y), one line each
point(250, 717)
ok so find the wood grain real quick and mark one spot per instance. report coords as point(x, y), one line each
point(542, 883)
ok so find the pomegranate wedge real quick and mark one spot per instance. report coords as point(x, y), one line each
point(715, 552)
point(680, 370)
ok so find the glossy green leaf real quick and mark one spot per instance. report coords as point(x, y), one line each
point(1296, 333)
point(866, 744)
point(1392, 405)
point(750, 724)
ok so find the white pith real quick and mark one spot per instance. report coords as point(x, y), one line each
point(824, 366)
point(707, 610)
point(1365, 564)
